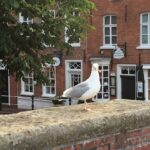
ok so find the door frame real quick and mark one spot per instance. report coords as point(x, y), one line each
point(67, 71)
point(119, 85)
point(2, 67)
point(102, 62)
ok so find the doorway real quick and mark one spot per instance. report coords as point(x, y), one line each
point(4, 86)
point(128, 87)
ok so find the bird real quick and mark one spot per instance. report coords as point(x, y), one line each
point(86, 89)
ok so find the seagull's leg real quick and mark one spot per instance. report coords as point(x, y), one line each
point(86, 106)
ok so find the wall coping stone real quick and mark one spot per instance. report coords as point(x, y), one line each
point(45, 129)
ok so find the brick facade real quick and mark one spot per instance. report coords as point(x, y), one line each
point(92, 49)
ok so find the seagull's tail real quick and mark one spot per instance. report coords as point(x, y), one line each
point(66, 93)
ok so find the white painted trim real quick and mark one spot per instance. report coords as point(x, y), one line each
point(110, 27)
point(141, 24)
point(66, 71)
point(23, 90)
point(74, 44)
point(146, 84)
point(100, 61)
point(21, 19)
point(8, 89)
point(107, 47)
point(118, 89)
point(143, 47)
point(2, 67)
point(43, 88)
point(146, 66)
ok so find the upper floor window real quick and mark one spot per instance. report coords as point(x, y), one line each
point(145, 29)
point(23, 19)
point(51, 33)
point(27, 84)
point(76, 40)
point(110, 30)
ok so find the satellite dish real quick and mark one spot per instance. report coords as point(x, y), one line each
point(56, 61)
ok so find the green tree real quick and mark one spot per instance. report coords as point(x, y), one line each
point(23, 47)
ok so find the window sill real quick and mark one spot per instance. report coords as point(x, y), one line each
point(75, 44)
point(48, 95)
point(143, 47)
point(27, 94)
point(107, 47)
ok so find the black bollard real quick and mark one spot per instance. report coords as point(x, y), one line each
point(32, 102)
point(69, 101)
point(0, 105)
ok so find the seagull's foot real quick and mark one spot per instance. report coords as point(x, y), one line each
point(87, 108)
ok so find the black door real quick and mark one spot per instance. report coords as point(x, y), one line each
point(128, 87)
point(4, 86)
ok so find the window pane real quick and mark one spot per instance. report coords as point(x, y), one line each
point(107, 20)
point(114, 40)
point(145, 18)
point(47, 90)
point(144, 39)
point(105, 67)
point(31, 88)
point(114, 31)
point(53, 90)
point(113, 20)
point(144, 29)
point(107, 40)
point(107, 31)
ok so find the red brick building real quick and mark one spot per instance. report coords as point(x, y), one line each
point(120, 44)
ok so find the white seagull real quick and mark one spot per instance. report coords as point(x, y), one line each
point(87, 89)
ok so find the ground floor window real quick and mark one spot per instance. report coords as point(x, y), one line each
point(73, 72)
point(104, 92)
point(27, 84)
point(49, 89)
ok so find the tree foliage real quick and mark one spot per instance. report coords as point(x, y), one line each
point(23, 47)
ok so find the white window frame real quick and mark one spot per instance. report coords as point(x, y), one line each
point(44, 94)
point(74, 44)
point(23, 92)
point(23, 20)
point(52, 11)
point(67, 71)
point(110, 26)
point(148, 26)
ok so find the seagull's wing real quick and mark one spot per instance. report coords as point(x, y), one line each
point(77, 91)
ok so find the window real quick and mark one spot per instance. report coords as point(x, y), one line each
point(73, 73)
point(128, 70)
point(50, 88)
point(104, 93)
point(26, 20)
point(27, 84)
point(110, 30)
point(51, 34)
point(76, 40)
point(145, 29)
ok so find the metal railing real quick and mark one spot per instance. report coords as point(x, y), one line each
point(33, 99)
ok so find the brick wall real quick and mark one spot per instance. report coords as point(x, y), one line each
point(138, 139)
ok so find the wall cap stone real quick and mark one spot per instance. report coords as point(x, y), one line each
point(45, 129)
